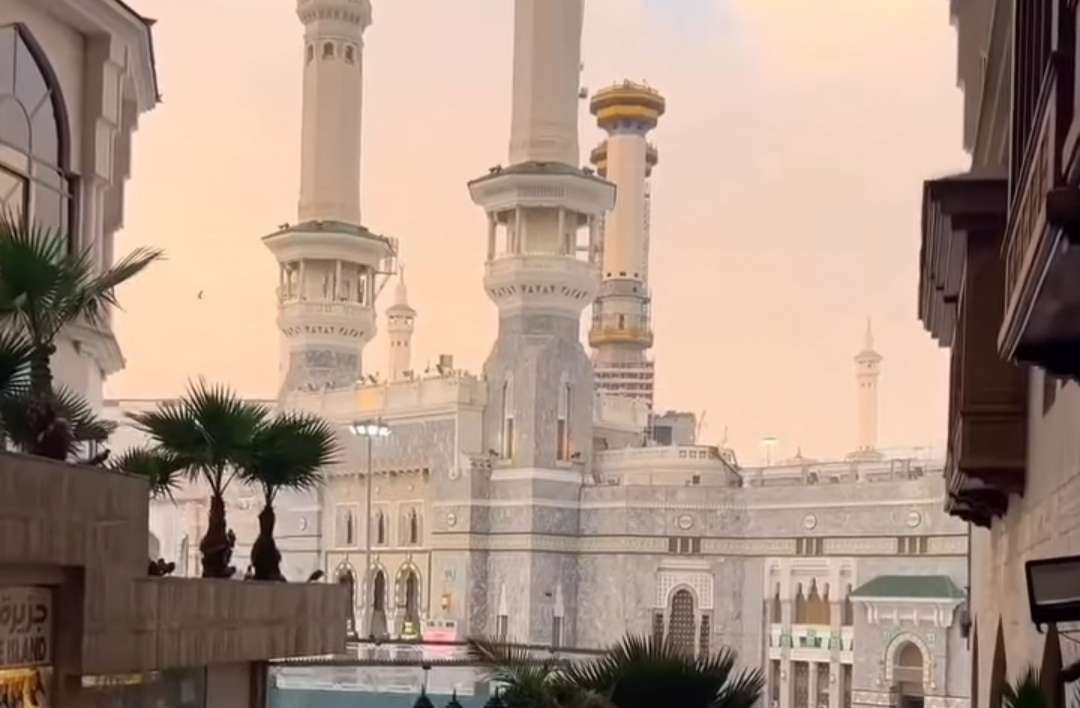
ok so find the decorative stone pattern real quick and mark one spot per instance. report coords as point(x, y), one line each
point(700, 584)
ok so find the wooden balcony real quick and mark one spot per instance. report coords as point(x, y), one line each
point(1041, 324)
point(960, 303)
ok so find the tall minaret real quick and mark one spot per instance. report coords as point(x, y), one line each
point(329, 263)
point(867, 371)
point(400, 322)
point(621, 331)
point(542, 270)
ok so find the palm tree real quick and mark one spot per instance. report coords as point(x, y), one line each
point(288, 452)
point(45, 286)
point(54, 425)
point(528, 682)
point(1026, 692)
point(644, 672)
point(210, 432)
point(160, 468)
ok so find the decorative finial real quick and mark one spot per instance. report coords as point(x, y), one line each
point(868, 345)
point(401, 294)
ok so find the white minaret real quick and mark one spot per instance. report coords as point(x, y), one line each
point(867, 371)
point(400, 322)
point(621, 331)
point(329, 263)
point(542, 270)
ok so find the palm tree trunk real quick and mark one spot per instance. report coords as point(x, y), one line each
point(40, 371)
point(216, 546)
point(264, 553)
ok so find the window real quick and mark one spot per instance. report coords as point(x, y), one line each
point(658, 626)
point(508, 420)
point(349, 528)
point(380, 529)
point(684, 545)
point(912, 545)
point(809, 546)
point(562, 428)
point(414, 528)
point(703, 646)
point(502, 627)
point(350, 54)
point(34, 182)
point(310, 53)
point(681, 624)
point(556, 632)
point(328, 50)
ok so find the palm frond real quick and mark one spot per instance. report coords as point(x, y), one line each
point(290, 451)
point(210, 430)
point(646, 671)
point(98, 292)
point(1025, 692)
point(55, 425)
point(15, 352)
point(160, 468)
point(527, 682)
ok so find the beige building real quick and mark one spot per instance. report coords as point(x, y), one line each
point(1000, 286)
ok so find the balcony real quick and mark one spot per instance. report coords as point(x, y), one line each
point(1041, 325)
point(628, 329)
point(961, 299)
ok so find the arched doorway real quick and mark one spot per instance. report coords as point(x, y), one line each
point(907, 685)
point(681, 622)
point(345, 577)
point(378, 605)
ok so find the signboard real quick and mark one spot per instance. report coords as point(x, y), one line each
point(25, 626)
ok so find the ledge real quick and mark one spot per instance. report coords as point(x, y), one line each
point(82, 531)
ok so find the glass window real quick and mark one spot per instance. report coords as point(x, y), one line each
point(33, 135)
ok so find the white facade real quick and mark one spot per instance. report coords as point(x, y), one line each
point(74, 77)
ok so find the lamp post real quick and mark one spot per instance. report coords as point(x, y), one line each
point(369, 429)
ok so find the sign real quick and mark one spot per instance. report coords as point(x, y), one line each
point(25, 626)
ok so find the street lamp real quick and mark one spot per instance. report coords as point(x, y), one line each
point(369, 429)
point(1053, 589)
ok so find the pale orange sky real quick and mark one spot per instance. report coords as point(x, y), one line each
point(785, 205)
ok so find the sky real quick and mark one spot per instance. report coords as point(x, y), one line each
point(785, 205)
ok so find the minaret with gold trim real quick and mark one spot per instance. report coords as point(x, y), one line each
point(621, 331)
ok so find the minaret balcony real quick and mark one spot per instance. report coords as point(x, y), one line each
point(543, 184)
point(621, 329)
point(541, 282)
point(331, 320)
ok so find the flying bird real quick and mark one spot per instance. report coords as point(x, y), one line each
point(199, 296)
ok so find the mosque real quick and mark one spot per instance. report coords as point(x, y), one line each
point(544, 500)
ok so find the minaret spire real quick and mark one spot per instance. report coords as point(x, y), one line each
point(867, 372)
point(400, 324)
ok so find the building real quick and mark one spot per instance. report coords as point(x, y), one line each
point(82, 623)
point(531, 503)
point(998, 287)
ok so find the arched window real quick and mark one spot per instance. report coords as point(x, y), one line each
point(380, 529)
point(378, 599)
point(776, 611)
point(328, 50)
point(412, 601)
point(908, 676)
point(849, 611)
point(681, 622)
point(310, 53)
point(350, 54)
point(349, 528)
point(345, 577)
point(34, 182)
point(817, 607)
point(414, 527)
point(800, 605)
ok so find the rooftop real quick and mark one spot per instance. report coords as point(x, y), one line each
point(920, 587)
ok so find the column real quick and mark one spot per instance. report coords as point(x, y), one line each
point(836, 620)
point(564, 242)
point(300, 295)
point(492, 226)
point(697, 631)
point(812, 687)
point(337, 280)
point(787, 677)
point(515, 237)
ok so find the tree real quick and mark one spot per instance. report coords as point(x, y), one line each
point(288, 452)
point(160, 468)
point(43, 288)
point(210, 432)
point(644, 672)
point(1026, 692)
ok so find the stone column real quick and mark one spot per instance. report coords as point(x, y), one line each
point(492, 226)
point(812, 687)
point(836, 618)
point(787, 678)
